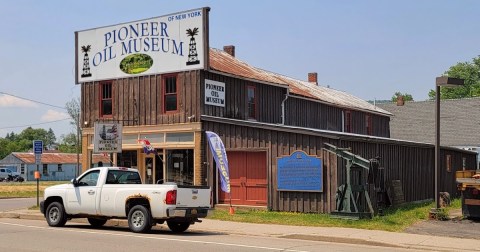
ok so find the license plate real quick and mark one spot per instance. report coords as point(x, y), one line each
point(179, 213)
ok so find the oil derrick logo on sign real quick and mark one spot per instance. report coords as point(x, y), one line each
point(86, 63)
point(192, 52)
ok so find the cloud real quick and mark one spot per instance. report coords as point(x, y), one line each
point(11, 101)
point(53, 115)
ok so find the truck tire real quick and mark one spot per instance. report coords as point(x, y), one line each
point(178, 227)
point(139, 219)
point(55, 214)
point(96, 222)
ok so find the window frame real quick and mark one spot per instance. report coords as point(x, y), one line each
point(45, 169)
point(255, 103)
point(101, 99)
point(164, 93)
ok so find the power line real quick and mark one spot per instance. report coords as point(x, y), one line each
point(32, 124)
point(34, 101)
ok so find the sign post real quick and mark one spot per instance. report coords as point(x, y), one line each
point(38, 150)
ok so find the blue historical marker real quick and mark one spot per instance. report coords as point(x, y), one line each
point(299, 172)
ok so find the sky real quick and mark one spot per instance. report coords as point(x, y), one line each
point(370, 48)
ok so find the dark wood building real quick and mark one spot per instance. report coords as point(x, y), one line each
point(261, 117)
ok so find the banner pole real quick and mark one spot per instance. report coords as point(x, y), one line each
point(231, 210)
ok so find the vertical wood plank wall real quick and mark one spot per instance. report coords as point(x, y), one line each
point(412, 164)
point(139, 100)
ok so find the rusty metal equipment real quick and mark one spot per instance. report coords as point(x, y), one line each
point(353, 200)
point(468, 182)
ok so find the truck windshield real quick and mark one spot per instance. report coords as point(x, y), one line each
point(122, 177)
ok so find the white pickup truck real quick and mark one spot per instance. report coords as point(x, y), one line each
point(105, 193)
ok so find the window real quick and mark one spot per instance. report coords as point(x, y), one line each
point(45, 169)
point(251, 101)
point(22, 168)
point(89, 179)
point(449, 163)
point(180, 137)
point(106, 99)
point(122, 177)
point(170, 93)
point(348, 121)
point(180, 166)
point(368, 124)
point(59, 168)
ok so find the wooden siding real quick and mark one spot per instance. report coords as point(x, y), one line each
point(269, 99)
point(139, 100)
point(411, 163)
point(310, 114)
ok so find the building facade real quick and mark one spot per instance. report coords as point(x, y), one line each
point(261, 116)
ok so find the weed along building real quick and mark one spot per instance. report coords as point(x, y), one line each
point(150, 89)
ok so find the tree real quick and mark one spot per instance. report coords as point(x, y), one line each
point(23, 142)
point(406, 97)
point(68, 143)
point(470, 72)
point(73, 109)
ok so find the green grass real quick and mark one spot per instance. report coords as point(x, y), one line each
point(394, 219)
point(25, 189)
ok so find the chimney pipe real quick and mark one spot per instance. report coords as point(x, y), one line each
point(230, 49)
point(312, 77)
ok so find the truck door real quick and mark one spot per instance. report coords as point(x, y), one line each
point(83, 198)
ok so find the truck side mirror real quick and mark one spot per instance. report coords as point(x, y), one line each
point(74, 182)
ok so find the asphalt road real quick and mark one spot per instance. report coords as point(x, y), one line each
point(35, 235)
point(17, 203)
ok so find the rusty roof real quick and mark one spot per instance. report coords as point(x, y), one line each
point(57, 158)
point(224, 62)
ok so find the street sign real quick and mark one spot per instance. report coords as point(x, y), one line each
point(38, 158)
point(38, 146)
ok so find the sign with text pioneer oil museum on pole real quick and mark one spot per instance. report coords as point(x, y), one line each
point(170, 43)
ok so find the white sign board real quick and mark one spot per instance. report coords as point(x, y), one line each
point(214, 93)
point(108, 138)
point(171, 43)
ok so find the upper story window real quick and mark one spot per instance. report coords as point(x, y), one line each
point(170, 93)
point(252, 103)
point(106, 99)
point(368, 124)
point(348, 121)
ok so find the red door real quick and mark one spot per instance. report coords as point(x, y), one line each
point(248, 179)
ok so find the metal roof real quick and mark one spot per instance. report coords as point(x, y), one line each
point(57, 158)
point(224, 62)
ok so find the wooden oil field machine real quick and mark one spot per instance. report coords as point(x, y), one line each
point(352, 198)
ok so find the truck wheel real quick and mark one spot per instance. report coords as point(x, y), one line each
point(55, 215)
point(97, 222)
point(139, 219)
point(178, 227)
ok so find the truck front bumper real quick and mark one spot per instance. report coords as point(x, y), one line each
point(189, 212)
point(42, 207)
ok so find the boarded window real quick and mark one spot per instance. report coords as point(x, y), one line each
point(368, 124)
point(348, 121)
point(251, 101)
point(449, 163)
point(170, 93)
point(106, 99)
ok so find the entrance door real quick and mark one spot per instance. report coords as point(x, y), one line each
point(149, 174)
point(248, 179)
